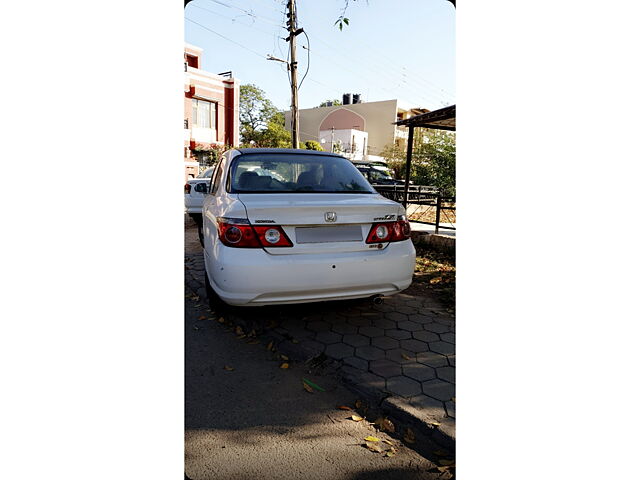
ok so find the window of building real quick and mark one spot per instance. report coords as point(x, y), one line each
point(203, 114)
point(192, 61)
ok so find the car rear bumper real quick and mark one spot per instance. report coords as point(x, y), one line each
point(253, 277)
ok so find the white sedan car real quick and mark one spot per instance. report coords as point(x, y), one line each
point(292, 226)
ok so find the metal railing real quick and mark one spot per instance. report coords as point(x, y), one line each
point(423, 203)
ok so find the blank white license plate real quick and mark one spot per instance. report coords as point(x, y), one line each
point(337, 233)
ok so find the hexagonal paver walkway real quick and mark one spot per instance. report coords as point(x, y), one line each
point(404, 349)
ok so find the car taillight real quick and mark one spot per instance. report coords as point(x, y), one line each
point(239, 233)
point(389, 232)
point(187, 188)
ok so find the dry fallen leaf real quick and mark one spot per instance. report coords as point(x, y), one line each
point(409, 436)
point(307, 387)
point(389, 453)
point(388, 425)
point(202, 317)
point(239, 330)
point(228, 368)
point(221, 320)
point(284, 357)
point(252, 333)
point(242, 336)
point(374, 447)
point(253, 342)
point(369, 438)
point(405, 356)
point(435, 424)
point(343, 407)
point(388, 442)
point(358, 403)
point(446, 462)
point(453, 399)
point(356, 418)
point(284, 365)
point(269, 345)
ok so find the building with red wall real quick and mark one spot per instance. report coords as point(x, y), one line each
point(211, 119)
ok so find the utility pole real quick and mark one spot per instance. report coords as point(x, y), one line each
point(293, 66)
point(332, 132)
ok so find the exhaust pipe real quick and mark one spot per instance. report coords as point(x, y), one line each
point(377, 299)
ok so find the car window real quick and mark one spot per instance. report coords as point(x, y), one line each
point(295, 173)
point(208, 173)
point(216, 179)
point(378, 175)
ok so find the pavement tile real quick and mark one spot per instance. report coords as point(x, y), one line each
point(385, 368)
point(439, 389)
point(328, 337)
point(370, 380)
point(442, 347)
point(446, 373)
point(451, 409)
point(339, 351)
point(385, 343)
point(396, 316)
point(414, 345)
point(452, 360)
point(396, 355)
point(318, 326)
point(383, 323)
point(409, 325)
point(369, 353)
point(436, 327)
point(425, 336)
point(406, 309)
point(371, 331)
point(356, 340)
point(359, 321)
point(419, 372)
point(398, 334)
point(356, 362)
point(432, 359)
point(312, 347)
point(403, 386)
point(344, 328)
point(448, 337)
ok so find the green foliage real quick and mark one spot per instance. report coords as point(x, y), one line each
point(333, 102)
point(261, 124)
point(256, 112)
point(433, 160)
point(313, 145)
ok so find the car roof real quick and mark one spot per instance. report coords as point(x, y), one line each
point(287, 151)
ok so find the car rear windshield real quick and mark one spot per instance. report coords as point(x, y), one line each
point(295, 173)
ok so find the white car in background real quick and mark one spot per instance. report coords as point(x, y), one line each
point(292, 226)
point(194, 192)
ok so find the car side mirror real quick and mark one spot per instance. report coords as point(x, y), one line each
point(201, 187)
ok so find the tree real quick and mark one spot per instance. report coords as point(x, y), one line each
point(313, 145)
point(275, 135)
point(433, 160)
point(256, 111)
point(333, 102)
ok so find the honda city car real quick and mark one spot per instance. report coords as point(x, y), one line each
point(287, 226)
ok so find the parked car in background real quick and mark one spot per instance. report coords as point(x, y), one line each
point(293, 226)
point(194, 191)
point(377, 174)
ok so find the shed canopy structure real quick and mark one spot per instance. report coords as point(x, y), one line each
point(442, 119)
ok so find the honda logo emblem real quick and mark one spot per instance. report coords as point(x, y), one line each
point(330, 216)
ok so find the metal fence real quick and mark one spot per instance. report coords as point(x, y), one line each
point(424, 205)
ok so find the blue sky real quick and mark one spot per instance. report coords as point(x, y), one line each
point(401, 49)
